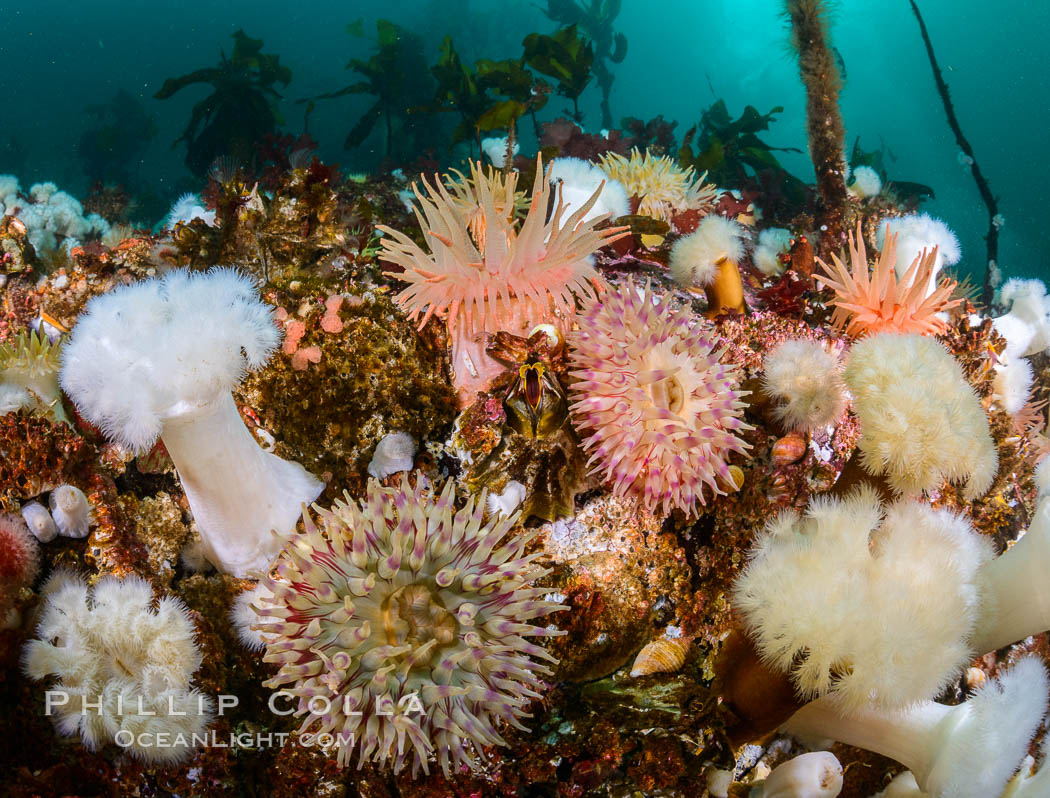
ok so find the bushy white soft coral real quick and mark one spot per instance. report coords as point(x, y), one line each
point(915, 233)
point(160, 358)
point(805, 377)
point(772, 243)
point(577, 180)
point(121, 664)
point(921, 422)
point(696, 258)
point(861, 608)
point(966, 751)
point(1026, 324)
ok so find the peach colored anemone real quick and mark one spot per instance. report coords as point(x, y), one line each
point(867, 303)
point(485, 272)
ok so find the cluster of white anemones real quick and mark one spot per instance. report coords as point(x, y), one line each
point(52, 218)
point(122, 667)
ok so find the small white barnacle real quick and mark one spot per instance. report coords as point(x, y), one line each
point(71, 510)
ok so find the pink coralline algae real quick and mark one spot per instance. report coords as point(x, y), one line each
point(656, 408)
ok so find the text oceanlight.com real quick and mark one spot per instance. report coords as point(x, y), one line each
point(211, 739)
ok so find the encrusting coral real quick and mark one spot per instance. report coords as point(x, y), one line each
point(864, 603)
point(409, 618)
point(120, 664)
point(657, 410)
point(159, 358)
point(921, 422)
point(511, 278)
point(881, 301)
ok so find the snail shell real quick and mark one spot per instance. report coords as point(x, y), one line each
point(789, 449)
point(665, 655)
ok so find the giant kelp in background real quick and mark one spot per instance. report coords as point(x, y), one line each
point(241, 109)
point(488, 95)
point(732, 153)
point(991, 271)
point(112, 147)
point(565, 56)
point(396, 76)
point(595, 19)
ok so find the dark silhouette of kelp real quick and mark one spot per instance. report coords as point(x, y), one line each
point(240, 111)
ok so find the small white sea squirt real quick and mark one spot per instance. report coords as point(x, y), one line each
point(160, 358)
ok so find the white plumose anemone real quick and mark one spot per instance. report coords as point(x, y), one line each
point(1026, 324)
point(160, 358)
point(866, 183)
point(807, 379)
point(1016, 599)
point(921, 421)
point(495, 148)
point(577, 180)
point(966, 751)
point(122, 665)
point(865, 604)
point(187, 208)
point(817, 774)
point(917, 233)
point(71, 511)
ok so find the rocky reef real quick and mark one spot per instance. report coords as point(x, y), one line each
point(508, 497)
